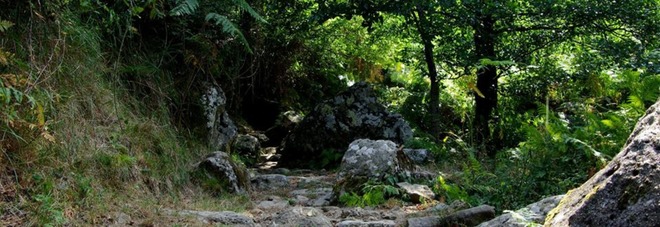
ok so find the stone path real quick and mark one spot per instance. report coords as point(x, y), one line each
point(284, 197)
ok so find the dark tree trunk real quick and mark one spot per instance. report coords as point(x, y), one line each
point(434, 99)
point(484, 41)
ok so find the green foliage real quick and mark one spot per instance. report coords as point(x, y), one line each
point(372, 195)
point(228, 27)
point(328, 157)
point(450, 192)
point(185, 7)
point(5, 25)
point(245, 6)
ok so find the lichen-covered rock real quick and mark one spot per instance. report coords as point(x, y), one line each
point(247, 146)
point(626, 191)
point(220, 128)
point(230, 176)
point(533, 214)
point(369, 160)
point(333, 124)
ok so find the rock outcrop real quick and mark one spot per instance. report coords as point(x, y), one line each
point(626, 191)
point(220, 128)
point(230, 176)
point(531, 215)
point(333, 124)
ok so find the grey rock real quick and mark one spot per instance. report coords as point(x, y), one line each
point(273, 203)
point(318, 197)
point(335, 123)
point(283, 171)
point(301, 199)
point(367, 160)
point(353, 223)
point(313, 181)
point(270, 181)
point(626, 191)
point(370, 159)
point(221, 129)
point(321, 200)
point(220, 166)
point(301, 216)
point(418, 193)
point(468, 217)
point(222, 217)
point(359, 213)
point(424, 221)
point(247, 146)
point(533, 214)
point(439, 208)
point(418, 156)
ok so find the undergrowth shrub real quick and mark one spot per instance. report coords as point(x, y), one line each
point(567, 139)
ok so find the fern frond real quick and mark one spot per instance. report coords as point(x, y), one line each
point(245, 6)
point(228, 27)
point(185, 7)
point(5, 24)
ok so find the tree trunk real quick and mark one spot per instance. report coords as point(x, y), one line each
point(434, 94)
point(484, 41)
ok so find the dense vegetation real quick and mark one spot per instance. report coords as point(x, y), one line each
point(517, 99)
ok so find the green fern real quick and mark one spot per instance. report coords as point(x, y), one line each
point(185, 7)
point(228, 27)
point(245, 6)
point(5, 25)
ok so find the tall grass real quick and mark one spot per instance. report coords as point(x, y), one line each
point(106, 144)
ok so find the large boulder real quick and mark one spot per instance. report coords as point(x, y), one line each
point(225, 174)
point(626, 191)
point(370, 160)
point(221, 130)
point(332, 125)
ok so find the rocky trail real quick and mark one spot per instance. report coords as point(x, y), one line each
point(282, 197)
point(300, 197)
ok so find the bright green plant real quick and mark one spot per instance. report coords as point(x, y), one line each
point(371, 195)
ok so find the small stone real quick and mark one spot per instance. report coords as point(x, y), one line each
point(418, 193)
